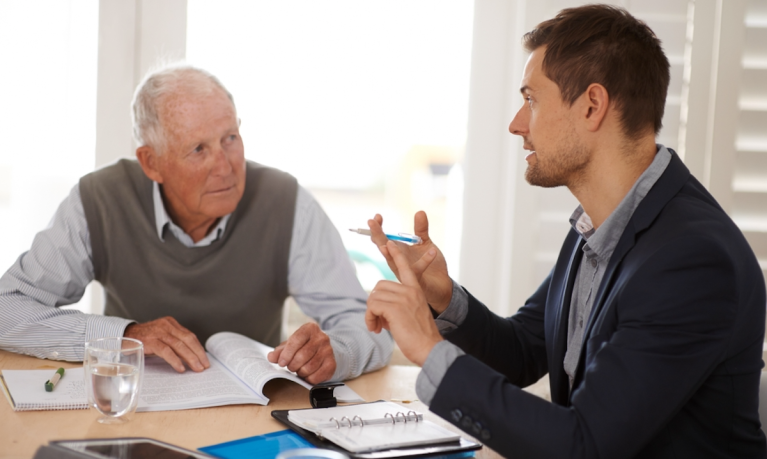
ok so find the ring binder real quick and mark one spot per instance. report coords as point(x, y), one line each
point(350, 421)
point(394, 419)
point(377, 430)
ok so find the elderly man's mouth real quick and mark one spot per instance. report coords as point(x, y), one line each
point(222, 190)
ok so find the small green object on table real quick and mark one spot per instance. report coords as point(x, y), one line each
point(51, 383)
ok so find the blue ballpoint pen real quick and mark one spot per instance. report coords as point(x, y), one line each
point(401, 237)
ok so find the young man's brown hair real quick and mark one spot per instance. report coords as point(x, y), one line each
point(606, 45)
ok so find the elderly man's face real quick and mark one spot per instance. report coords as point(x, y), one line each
point(202, 170)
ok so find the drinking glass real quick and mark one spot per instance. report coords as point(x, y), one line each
point(113, 372)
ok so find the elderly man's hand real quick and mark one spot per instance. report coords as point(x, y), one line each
point(168, 339)
point(308, 353)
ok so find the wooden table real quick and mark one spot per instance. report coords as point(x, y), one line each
point(22, 432)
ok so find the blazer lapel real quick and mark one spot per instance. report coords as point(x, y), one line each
point(558, 380)
point(668, 185)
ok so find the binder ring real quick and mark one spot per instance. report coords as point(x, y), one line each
point(403, 416)
point(361, 421)
point(338, 425)
point(349, 420)
point(389, 415)
point(415, 415)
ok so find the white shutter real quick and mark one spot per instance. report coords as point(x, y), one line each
point(749, 180)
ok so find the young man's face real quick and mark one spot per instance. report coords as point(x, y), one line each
point(547, 125)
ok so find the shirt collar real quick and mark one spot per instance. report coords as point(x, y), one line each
point(161, 218)
point(602, 240)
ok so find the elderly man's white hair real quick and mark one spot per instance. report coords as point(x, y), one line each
point(157, 84)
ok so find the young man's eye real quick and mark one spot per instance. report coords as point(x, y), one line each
point(529, 100)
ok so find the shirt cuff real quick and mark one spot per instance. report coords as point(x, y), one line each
point(434, 368)
point(455, 313)
point(343, 358)
point(98, 326)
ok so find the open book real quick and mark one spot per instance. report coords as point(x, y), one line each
point(237, 375)
point(371, 426)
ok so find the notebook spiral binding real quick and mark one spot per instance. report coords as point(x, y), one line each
point(357, 421)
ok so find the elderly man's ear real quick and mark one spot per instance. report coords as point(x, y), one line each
point(148, 159)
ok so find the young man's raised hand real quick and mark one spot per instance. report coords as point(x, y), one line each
point(402, 309)
point(425, 260)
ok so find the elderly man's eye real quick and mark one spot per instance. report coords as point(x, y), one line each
point(198, 149)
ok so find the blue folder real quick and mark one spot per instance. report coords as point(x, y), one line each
point(269, 445)
point(258, 447)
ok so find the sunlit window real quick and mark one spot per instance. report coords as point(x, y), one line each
point(364, 102)
point(48, 51)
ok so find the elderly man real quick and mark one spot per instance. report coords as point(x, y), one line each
point(651, 324)
point(191, 240)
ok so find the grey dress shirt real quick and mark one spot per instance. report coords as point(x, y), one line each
point(58, 267)
point(598, 249)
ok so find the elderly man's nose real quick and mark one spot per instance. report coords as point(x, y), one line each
point(221, 165)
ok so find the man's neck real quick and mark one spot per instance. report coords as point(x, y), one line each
point(196, 228)
point(610, 175)
point(197, 231)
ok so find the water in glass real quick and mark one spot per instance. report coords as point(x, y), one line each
point(114, 388)
point(113, 368)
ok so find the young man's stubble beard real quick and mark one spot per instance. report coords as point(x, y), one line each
point(559, 165)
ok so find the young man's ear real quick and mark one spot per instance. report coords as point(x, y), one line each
point(596, 102)
point(148, 159)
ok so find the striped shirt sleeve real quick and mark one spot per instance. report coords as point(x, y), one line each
point(322, 280)
point(53, 273)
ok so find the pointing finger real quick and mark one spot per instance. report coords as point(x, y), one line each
point(405, 274)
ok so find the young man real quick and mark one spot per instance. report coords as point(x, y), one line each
point(651, 323)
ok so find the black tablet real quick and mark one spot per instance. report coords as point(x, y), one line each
point(127, 448)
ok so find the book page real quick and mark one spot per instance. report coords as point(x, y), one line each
point(246, 358)
point(162, 388)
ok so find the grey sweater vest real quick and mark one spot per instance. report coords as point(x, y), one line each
point(238, 283)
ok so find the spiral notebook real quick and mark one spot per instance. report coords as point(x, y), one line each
point(25, 390)
point(372, 426)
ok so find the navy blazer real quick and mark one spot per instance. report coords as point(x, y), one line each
point(672, 352)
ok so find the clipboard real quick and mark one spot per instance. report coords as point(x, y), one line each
point(452, 450)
